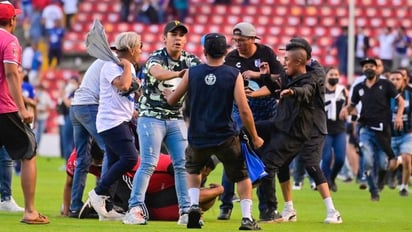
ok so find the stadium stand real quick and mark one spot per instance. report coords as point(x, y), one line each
point(275, 20)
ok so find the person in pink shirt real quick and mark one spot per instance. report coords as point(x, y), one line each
point(14, 117)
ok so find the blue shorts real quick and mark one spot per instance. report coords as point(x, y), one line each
point(402, 144)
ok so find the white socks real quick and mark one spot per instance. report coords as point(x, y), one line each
point(289, 205)
point(329, 204)
point(246, 206)
point(194, 196)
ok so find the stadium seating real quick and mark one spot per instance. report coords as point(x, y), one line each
point(276, 21)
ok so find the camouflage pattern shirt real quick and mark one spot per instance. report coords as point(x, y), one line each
point(152, 103)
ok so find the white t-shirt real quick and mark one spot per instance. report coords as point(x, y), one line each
point(89, 90)
point(27, 57)
point(70, 6)
point(50, 14)
point(386, 48)
point(114, 109)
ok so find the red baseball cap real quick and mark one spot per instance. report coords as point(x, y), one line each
point(7, 10)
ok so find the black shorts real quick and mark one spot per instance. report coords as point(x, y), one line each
point(17, 137)
point(311, 152)
point(228, 153)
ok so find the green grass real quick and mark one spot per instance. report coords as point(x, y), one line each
point(392, 213)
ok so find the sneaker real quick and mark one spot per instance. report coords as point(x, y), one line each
point(135, 216)
point(194, 217)
point(333, 217)
point(112, 215)
point(87, 211)
point(183, 219)
point(332, 186)
point(363, 185)
point(289, 215)
point(98, 202)
point(375, 196)
point(313, 186)
point(10, 206)
point(224, 214)
point(269, 216)
point(74, 213)
point(297, 186)
point(248, 224)
point(235, 199)
point(404, 193)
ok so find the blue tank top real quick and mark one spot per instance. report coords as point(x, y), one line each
point(211, 96)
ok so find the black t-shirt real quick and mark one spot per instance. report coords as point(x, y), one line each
point(263, 54)
point(263, 108)
point(376, 103)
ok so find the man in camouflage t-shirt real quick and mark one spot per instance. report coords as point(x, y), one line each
point(161, 123)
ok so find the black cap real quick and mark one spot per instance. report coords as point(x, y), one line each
point(299, 42)
point(173, 25)
point(215, 44)
point(368, 60)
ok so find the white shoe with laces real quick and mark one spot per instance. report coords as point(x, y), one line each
point(112, 215)
point(333, 217)
point(289, 215)
point(10, 206)
point(135, 216)
point(183, 219)
point(98, 202)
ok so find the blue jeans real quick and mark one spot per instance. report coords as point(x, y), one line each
point(374, 158)
point(152, 132)
point(67, 137)
point(337, 144)
point(6, 172)
point(39, 130)
point(83, 118)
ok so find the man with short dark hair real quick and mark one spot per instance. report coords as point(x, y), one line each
point(160, 123)
point(375, 120)
point(212, 88)
point(247, 58)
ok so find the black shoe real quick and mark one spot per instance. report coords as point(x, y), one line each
point(270, 215)
point(375, 196)
point(87, 211)
point(363, 185)
point(382, 178)
point(332, 186)
point(224, 214)
point(248, 224)
point(194, 217)
point(348, 179)
point(403, 193)
point(74, 213)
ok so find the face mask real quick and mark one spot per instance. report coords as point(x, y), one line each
point(333, 81)
point(369, 73)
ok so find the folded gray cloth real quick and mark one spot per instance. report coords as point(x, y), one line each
point(97, 45)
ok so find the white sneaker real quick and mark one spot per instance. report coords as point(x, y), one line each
point(183, 219)
point(289, 215)
point(297, 186)
point(333, 217)
point(112, 215)
point(10, 206)
point(134, 216)
point(98, 202)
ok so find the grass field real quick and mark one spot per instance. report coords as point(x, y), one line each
point(392, 213)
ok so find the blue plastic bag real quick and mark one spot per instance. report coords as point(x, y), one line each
point(255, 166)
